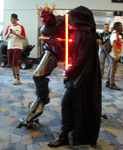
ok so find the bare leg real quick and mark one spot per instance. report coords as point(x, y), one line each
point(14, 71)
point(17, 72)
point(17, 69)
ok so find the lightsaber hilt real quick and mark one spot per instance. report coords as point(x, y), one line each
point(48, 38)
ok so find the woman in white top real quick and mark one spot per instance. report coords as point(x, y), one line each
point(115, 41)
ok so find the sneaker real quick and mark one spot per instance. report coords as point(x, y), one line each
point(16, 82)
point(13, 81)
point(107, 84)
point(113, 86)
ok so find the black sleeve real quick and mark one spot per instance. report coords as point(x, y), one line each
point(101, 36)
point(84, 50)
point(97, 36)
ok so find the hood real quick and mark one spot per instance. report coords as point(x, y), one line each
point(82, 19)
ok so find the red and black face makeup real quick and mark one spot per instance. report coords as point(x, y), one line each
point(45, 17)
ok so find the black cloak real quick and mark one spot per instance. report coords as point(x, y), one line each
point(85, 75)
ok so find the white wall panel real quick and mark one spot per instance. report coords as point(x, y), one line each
point(29, 19)
point(64, 4)
point(26, 10)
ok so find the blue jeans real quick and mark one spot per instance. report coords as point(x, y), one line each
point(102, 58)
point(112, 70)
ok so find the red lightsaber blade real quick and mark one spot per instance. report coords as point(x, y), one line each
point(66, 42)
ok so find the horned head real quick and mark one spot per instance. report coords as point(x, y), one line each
point(46, 8)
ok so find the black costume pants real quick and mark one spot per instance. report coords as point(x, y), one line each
point(67, 112)
point(80, 116)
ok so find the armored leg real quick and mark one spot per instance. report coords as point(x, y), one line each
point(35, 108)
point(42, 91)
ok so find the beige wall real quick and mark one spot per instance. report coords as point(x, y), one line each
point(63, 4)
point(26, 11)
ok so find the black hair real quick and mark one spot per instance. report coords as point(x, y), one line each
point(116, 26)
point(106, 24)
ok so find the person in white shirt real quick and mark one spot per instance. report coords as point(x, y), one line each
point(15, 33)
point(115, 41)
point(102, 53)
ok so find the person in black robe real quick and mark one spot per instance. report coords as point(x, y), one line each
point(81, 104)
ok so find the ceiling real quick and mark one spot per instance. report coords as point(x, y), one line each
point(102, 17)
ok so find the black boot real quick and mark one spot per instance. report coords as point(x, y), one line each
point(63, 138)
point(59, 142)
point(107, 84)
point(104, 116)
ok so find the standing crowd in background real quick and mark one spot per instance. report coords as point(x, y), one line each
point(113, 56)
point(15, 33)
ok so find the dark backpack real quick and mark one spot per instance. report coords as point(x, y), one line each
point(107, 46)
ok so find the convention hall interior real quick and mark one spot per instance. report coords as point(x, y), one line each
point(16, 100)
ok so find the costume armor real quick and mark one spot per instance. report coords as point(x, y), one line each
point(46, 66)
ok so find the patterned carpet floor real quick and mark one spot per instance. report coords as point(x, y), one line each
point(14, 100)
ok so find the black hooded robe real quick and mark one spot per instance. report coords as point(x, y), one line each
point(81, 104)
